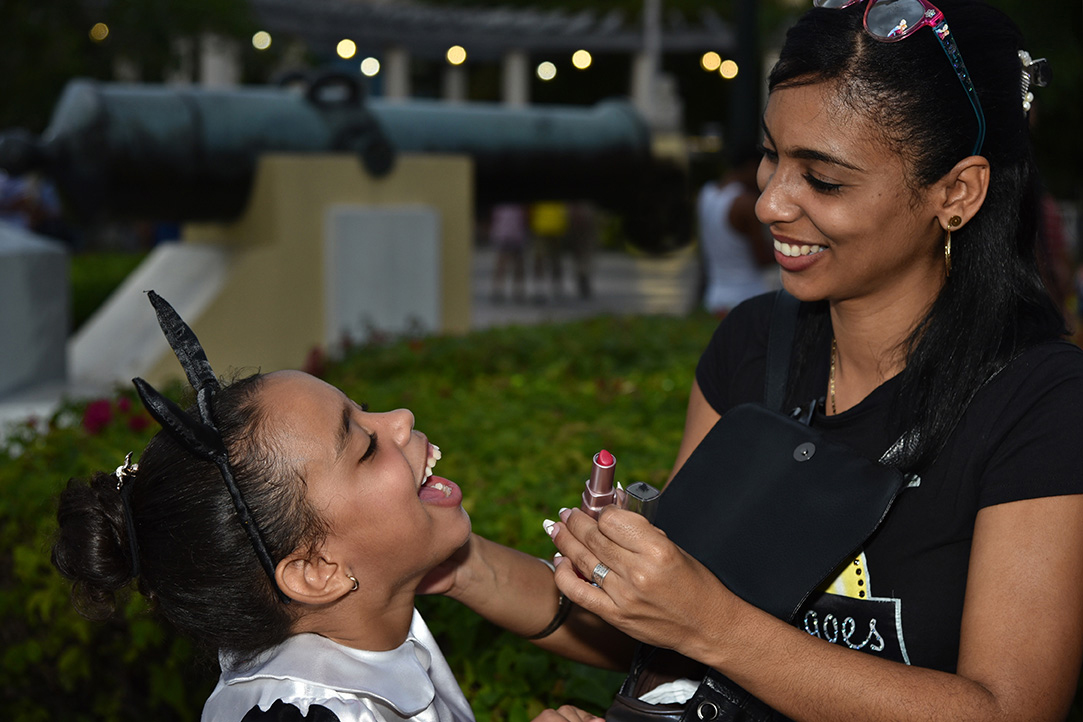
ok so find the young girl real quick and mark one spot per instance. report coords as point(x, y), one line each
point(286, 526)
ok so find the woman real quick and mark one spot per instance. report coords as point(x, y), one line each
point(900, 190)
point(287, 527)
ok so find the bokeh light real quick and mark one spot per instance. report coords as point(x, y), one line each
point(346, 48)
point(99, 32)
point(581, 59)
point(261, 40)
point(710, 61)
point(370, 66)
point(728, 69)
point(546, 70)
point(456, 55)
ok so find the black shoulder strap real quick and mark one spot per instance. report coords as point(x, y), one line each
point(779, 345)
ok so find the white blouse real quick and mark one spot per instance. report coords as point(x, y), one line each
point(410, 682)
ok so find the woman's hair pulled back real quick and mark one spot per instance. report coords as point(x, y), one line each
point(994, 303)
point(196, 563)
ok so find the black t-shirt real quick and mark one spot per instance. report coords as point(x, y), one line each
point(901, 596)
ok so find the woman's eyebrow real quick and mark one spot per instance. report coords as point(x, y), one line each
point(811, 153)
point(817, 155)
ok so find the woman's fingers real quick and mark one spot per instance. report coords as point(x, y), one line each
point(567, 713)
point(647, 586)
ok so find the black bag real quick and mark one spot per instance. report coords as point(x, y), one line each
point(771, 508)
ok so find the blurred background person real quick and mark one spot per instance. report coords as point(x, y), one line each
point(510, 237)
point(549, 227)
point(733, 243)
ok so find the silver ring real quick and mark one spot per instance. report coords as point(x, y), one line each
point(598, 575)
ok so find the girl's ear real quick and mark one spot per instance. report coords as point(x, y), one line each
point(312, 580)
point(963, 191)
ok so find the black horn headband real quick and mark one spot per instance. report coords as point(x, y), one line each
point(200, 436)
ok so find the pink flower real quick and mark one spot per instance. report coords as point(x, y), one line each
point(124, 404)
point(138, 422)
point(97, 416)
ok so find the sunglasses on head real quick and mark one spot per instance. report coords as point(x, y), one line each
point(890, 21)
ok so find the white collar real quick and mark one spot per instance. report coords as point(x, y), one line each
point(398, 677)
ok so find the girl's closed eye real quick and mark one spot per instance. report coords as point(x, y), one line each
point(369, 452)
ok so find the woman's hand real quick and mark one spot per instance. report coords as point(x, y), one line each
point(567, 713)
point(653, 591)
point(443, 577)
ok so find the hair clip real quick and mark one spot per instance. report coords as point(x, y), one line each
point(125, 471)
point(1036, 72)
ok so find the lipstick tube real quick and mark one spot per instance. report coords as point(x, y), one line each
point(600, 491)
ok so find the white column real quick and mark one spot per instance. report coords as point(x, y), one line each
point(219, 61)
point(646, 63)
point(396, 72)
point(515, 78)
point(454, 83)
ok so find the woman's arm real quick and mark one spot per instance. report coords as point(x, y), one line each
point(1022, 629)
point(698, 420)
point(517, 592)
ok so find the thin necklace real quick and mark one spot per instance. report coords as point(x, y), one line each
point(831, 376)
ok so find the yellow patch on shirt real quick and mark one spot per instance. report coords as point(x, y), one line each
point(851, 580)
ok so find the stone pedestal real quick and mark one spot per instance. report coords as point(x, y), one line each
point(34, 301)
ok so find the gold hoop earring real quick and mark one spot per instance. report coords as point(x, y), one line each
point(353, 579)
point(947, 255)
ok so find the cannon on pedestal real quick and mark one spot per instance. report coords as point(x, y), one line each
point(149, 152)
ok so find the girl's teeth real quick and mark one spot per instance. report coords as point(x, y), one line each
point(436, 453)
point(443, 488)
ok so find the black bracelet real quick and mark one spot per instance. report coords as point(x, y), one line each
point(564, 607)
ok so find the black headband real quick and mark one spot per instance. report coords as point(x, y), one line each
point(200, 436)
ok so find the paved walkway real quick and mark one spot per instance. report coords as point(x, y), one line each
point(622, 284)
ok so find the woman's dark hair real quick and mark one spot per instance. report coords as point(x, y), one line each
point(994, 303)
point(197, 565)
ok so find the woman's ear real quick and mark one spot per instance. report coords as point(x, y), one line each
point(961, 192)
point(312, 579)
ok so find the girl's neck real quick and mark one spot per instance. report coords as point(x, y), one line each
point(362, 622)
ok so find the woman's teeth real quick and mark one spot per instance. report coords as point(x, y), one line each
point(795, 250)
point(434, 457)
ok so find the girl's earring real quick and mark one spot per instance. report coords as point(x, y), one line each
point(353, 579)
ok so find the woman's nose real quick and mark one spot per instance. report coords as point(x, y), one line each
point(775, 203)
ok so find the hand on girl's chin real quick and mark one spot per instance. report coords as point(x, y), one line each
point(441, 578)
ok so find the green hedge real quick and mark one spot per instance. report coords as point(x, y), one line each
point(94, 276)
point(518, 413)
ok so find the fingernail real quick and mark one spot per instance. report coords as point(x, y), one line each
point(558, 560)
point(565, 512)
point(550, 528)
point(619, 486)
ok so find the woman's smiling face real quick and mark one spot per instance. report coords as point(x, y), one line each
point(845, 223)
point(369, 476)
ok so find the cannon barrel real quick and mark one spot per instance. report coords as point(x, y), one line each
point(189, 154)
